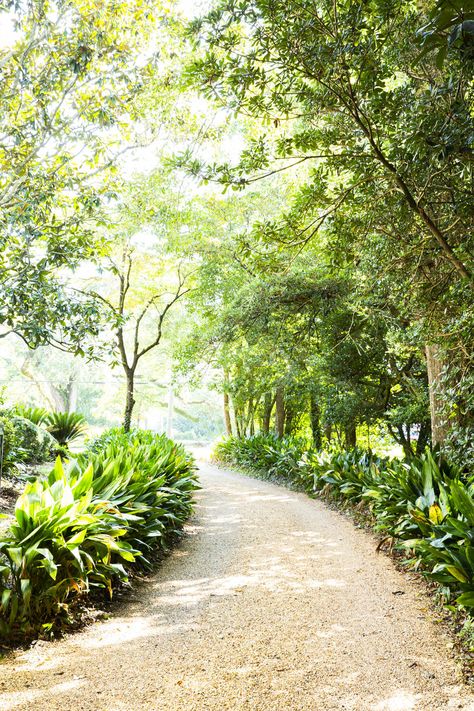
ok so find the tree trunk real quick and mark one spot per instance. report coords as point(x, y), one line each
point(423, 437)
point(227, 420)
point(227, 415)
point(241, 421)
point(252, 427)
point(169, 418)
point(289, 420)
point(404, 441)
point(350, 435)
point(130, 400)
point(434, 366)
point(47, 390)
point(72, 393)
point(247, 417)
point(238, 422)
point(268, 403)
point(315, 418)
point(279, 412)
point(253, 415)
point(234, 410)
point(328, 433)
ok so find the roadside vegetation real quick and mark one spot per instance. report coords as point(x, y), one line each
point(34, 436)
point(87, 524)
point(258, 221)
point(422, 507)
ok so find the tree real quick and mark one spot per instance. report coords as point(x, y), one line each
point(151, 267)
point(220, 235)
point(139, 322)
point(71, 82)
point(339, 59)
point(298, 339)
point(343, 87)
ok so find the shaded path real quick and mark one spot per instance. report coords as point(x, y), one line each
point(273, 602)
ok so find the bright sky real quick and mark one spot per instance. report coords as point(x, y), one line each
point(192, 8)
point(7, 34)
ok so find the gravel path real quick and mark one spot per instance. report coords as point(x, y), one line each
point(272, 603)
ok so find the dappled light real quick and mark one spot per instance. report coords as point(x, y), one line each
point(400, 701)
point(236, 355)
point(254, 615)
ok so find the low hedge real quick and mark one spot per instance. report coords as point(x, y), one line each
point(33, 444)
point(87, 523)
point(425, 506)
point(25, 442)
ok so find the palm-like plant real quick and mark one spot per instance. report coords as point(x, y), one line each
point(36, 415)
point(66, 426)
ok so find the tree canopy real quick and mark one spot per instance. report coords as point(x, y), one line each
point(72, 76)
point(310, 164)
point(360, 93)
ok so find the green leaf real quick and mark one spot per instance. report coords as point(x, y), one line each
point(16, 556)
point(435, 514)
point(463, 501)
point(457, 573)
point(466, 599)
point(6, 595)
point(51, 567)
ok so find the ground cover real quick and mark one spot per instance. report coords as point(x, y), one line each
point(86, 523)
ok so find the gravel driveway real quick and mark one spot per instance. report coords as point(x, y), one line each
point(272, 602)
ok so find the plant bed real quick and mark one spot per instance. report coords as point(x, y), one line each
point(85, 610)
point(86, 526)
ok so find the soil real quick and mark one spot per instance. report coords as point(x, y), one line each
point(273, 602)
point(10, 490)
point(8, 496)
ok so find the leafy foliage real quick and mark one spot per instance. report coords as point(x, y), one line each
point(300, 332)
point(65, 427)
point(33, 443)
point(369, 105)
point(83, 526)
point(10, 442)
point(36, 415)
point(72, 75)
point(450, 27)
point(287, 457)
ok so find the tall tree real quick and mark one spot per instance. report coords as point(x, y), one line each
point(131, 319)
point(345, 88)
point(71, 75)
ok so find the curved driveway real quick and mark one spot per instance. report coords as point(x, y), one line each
point(272, 603)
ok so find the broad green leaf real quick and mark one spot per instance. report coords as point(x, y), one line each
point(435, 514)
point(466, 599)
point(457, 573)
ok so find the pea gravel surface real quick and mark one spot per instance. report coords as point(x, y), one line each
point(272, 602)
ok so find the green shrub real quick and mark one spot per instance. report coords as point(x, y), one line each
point(58, 544)
point(402, 488)
point(33, 444)
point(65, 427)
point(10, 443)
point(83, 526)
point(111, 435)
point(37, 415)
point(263, 452)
